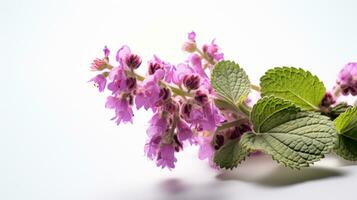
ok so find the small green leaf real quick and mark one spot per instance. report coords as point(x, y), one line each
point(338, 110)
point(346, 148)
point(295, 85)
point(230, 154)
point(230, 81)
point(290, 135)
point(346, 123)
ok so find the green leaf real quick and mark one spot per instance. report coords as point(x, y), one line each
point(346, 148)
point(338, 110)
point(295, 85)
point(230, 81)
point(346, 123)
point(290, 135)
point(230, 154)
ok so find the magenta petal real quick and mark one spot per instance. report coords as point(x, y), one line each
point(166, 157)
point(184, 131)
point(192, 36)
point(122, 53)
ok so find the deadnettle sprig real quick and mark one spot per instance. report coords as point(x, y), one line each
point(204, 101)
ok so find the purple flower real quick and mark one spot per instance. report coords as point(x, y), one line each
point(206, 149)
point(192, 36)
point(158, 125)
point(196, 62)
point(181, 71)
point(106, 51)
point(100, 81)
point(123, 111)
point(328, 100)
point(191, 82)
point(149, 93)
point(205, 118)
point(133, 61)
point(347, 79)
point(158, 64)
point(212, 50)
point(122, 54)
point(119, 82)
point(166, 156)
point(184, 132)
point(152, 147)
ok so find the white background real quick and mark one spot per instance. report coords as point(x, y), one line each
point(56, 140)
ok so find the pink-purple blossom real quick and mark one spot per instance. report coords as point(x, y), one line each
point(180, 97)
point(166, 156)
point(123, 111)
point(100, 81)
point(347, 79)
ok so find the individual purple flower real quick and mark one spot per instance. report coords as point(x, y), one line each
point(158, 64)
point(123, 111)
point(152, 147)
point(212, 50)
point(119, 80)
point(347, 79)
point(100, 81)
point(184, 132)
point(206, 118)
point(149, 93)
point(328, 100)
point(166, 156)
point(191, 81)
point(181, 71)
point(106, 52)
point(206, 149)
point(158, 125)
point(196, 62)
point(122, 55)
point(192, 36)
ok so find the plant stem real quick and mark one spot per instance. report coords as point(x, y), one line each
point(204, 56)
point(255, 87)
point(232, 124)
point(245, 109)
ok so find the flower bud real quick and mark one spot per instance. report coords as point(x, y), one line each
point(191, 82)
point(186, 110)
point(219, 141)
point(133, 61)
point(328, 100)
point(201, 97)
point(164, 94)
point(189, 47)
point(130, 83)
point(153, 67)
point(98, 65)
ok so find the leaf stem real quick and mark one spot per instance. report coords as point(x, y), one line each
point(232, 124)
point(204, 56)
point(245, 109)
point(255, 87)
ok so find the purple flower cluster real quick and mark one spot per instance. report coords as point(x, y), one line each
point(347, 79)
point(180, 97)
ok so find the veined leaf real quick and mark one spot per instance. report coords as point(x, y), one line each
point(295, 85)
point(290, 135)
point(230, 81)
